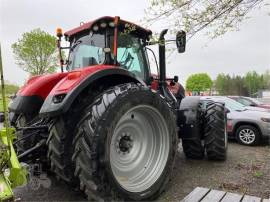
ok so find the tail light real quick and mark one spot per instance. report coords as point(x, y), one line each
point(229, 126)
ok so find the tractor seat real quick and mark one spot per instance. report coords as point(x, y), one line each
point(89, 61)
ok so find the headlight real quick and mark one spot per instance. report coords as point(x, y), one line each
point(103, 25)
point(266, 120)
point(95, 28)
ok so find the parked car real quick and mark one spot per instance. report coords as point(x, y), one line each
point(248, 127)
point(248, 101)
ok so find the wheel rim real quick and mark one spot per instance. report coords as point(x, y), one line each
point(139, 148)
point(247, 136)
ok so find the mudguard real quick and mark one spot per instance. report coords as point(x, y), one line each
point(188, 117)
point(31, 96)
point(52, 108)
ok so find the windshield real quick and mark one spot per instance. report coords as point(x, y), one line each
point(87, 51)
point(254, 100)
point(232, 105)
point(131, 55)
point(244, 101)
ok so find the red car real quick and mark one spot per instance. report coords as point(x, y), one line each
point(248, 101)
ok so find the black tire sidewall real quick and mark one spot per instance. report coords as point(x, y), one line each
point(215, 131)
point(254, 129)
point(113, 115)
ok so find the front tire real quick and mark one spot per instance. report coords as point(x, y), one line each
point(215, 133)
point(126, 144)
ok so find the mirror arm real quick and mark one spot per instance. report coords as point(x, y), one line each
point(63, 48)
point(150, 43)
point(154, 58)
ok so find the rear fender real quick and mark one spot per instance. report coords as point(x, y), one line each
point(111, 77)
point(188, 117)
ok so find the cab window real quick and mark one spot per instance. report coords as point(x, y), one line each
point(130, 55)
point(87, 51)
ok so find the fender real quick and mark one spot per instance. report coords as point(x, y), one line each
point(188, 117)
point(52, 108)
point(31, 96)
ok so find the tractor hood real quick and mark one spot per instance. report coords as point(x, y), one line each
point(57, 83)
point(73, 78)
point(41, 85)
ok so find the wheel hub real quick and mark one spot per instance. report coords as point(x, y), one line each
point(125, 143)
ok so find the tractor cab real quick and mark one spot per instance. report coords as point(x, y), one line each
point(109, 41)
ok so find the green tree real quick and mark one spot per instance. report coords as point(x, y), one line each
point(253, 82)
point(193, 16)
point(224, 84)
point(221, 83)
point(266, 80)
point(36, 52)
point(199, 82)
point(238, 86)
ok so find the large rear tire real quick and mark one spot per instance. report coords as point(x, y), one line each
point(125, 145)
point(215, 133)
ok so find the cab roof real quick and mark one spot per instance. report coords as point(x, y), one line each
point(86, 27)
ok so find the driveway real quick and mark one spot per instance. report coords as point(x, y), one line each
point(247, 169)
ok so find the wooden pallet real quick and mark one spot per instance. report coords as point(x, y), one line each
point(201, 194)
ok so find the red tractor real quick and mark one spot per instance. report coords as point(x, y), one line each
point(106, 124)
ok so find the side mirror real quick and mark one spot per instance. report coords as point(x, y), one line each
point(175, 79)
point(227, 110)
point(181, 41)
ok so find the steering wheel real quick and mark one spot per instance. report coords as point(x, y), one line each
point(128, 59)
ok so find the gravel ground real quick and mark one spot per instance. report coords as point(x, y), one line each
point(246, 170)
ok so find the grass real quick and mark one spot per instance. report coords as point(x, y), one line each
point(258, 174)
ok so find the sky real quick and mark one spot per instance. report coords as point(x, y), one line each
point(234, 53)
